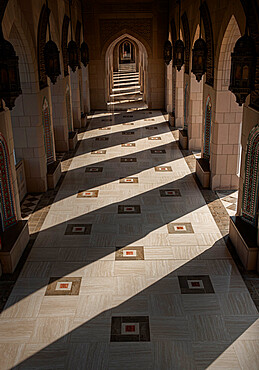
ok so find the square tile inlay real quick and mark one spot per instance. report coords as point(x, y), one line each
point(170, 193)
point(88, 194)
point(180, 228)
point(78, 229)
point(94, 169)
point(128, 124)
point(130, 329)
point(101, 138)
point(129, 180)
point(158, 151)
point(107, 120)
point(195, 284)
point(128, 144)
point(149, 119)
point(128, 133)
point(104, 128)
point(128, 159)
point(129, 253)
point(63, 286)
point(163, 168)
point(151, 128)
point(129, 209)
point(154, 138)
point(98, 152)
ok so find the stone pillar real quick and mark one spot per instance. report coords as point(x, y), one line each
point(85, 90)
point(75, 93)
point(59, 109)
point(179, 98)
point(168, 88)
point(29, 140)
point(196, 114)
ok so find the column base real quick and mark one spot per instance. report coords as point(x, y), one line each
point(14, 241)
point(72, 140)
point(183, 139)
point(244, 238)
point(53, 174)
point(203, 172)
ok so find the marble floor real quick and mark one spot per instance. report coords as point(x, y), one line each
point(129, 270)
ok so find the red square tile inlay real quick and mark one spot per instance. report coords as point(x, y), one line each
point(180, 228)
point(195, 283)
point(64, 285)
point(130, 328)
point(129, 253)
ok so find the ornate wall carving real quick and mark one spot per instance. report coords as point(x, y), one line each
point(141, 26)
point(8, 216)
point(210, 43)
point(42, 32)
point(187, 42)
point(64, 43)
point(251, 183)
point(47, 127)
point(207, 129)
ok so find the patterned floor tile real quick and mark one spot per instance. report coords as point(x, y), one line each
point(158, 151)
point(101, 138)
point(94, 169)
point(130, 329)
point(128, 145)
point(163, 169)
point(126, 160)
point(129, 180)
point(78, 229)
point(129, 253)
point(63, 286)
point(170, 193)
point(129, 209)
point(29, 204)
point(195, 284)
point(98, 152)
point(88, 194)
point(154, 138)
point(128, 133)
point(180, 228)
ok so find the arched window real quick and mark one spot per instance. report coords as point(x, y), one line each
point(251, 182)
point(207, 129)
point(8, 216)
point(48, 140)
point(69, 112)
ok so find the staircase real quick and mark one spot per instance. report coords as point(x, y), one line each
point(126, 87)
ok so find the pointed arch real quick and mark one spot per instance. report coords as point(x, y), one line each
point(187, 42)
point(47, 127)
point(251, 182)
point(7, 196)
point(205, 14)
point(42, 32)
point(207, 128)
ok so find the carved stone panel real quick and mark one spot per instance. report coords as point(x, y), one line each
point(141, 26)
point(187, 43)
point(210, 44)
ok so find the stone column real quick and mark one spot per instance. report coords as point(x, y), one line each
point(75, 93)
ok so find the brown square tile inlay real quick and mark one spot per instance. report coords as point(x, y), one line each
point(163, 168)
point(63, 286)
point(127, 116)
point(130, 329)
point(195, 284)
point(128, 144)
point(128, 124)
point(101, 138)
point(128, 133)
point(88, 194)
point(129, 253)
point(129, 180)
point(154, 138)
point(129, 209)
point(104, 128)
point(78, 229)
point(98, 152)
point(151, 128)
point(128, 159)
point(158, 151)
point(170, 193)
point(180, 228)
point(94, 169)
point(149, 119)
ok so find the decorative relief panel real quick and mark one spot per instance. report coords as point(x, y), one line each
point(210, 44)
point(42, 31)
point(141, 26)
point(186, 33)
point(207, 129)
